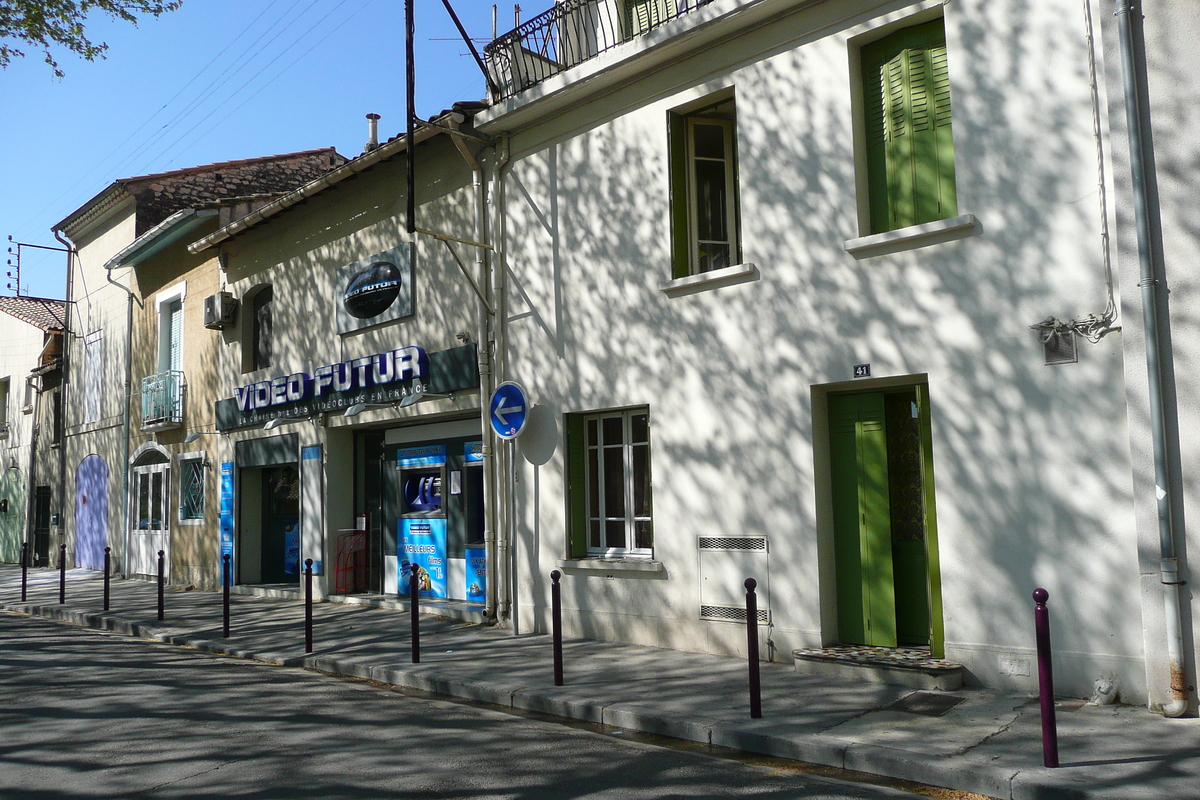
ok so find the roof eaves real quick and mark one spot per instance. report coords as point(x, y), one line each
point(330, 179)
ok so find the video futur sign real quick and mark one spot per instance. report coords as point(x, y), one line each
point(385, 377)
point(401, 366)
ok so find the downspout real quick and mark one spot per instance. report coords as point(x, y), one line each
point(503, 555)
point(483, 354)
point(64, 383)
point(125, 419)
point(1149, 239)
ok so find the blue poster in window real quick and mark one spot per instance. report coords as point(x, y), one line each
point(423, 549)
point(291, 547)
point(476, 574)
point(225, 496)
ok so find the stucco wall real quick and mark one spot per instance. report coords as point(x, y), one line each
point(1032, 462)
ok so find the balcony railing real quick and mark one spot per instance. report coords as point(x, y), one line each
point(570, 33)
point(162, 400)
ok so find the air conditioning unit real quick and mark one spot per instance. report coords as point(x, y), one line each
point(220, 311)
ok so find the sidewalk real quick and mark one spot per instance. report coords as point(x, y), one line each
point(989, 743)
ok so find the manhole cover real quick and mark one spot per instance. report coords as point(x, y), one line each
point(928, 704)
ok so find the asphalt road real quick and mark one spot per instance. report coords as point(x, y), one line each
point(85, 714)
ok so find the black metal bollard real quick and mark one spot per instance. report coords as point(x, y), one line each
point(107, 572)
point(752, 648)
point(62, 574)
point(308, 562)
point(161, 608)
point(1041, 622)
point(414, 601)
point(225, 571)
point(556, 623)
point(24, 569)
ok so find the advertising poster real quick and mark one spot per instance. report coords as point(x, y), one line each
point(423, 548)
point(291, 547)
point(476, 575)
point(225, 493)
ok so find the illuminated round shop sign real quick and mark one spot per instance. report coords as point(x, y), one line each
point(372, 290)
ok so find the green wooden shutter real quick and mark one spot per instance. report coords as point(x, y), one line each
point(642, 15)
point(576, 487)
point(910, 150)
point(678, 171)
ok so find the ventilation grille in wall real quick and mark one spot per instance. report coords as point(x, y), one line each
point(755, 543)
point(1059, 347)
point(729, 614)
point(725, 563)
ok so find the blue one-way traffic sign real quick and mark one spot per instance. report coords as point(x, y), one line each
point(509, 410)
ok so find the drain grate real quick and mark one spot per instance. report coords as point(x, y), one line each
point(927, 704)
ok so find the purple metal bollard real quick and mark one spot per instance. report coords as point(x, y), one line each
point(556, 625)
point(225, 574)
point(752, 648)
point(414, 601)
point(308, 562)
point(107, 572)
point(62, 574)
point(162, 610)
point(24, 569)
point(1041, 621)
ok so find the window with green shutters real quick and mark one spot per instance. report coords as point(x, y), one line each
point(910, 149)
point(704, 191)
point(608, 484)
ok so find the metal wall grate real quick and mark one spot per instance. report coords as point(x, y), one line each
point(1059, 348)
point(756, 544)
point(732, 614)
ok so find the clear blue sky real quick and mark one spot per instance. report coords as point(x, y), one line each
point(214, 81)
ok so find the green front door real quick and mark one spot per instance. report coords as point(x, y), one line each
point(879, 521)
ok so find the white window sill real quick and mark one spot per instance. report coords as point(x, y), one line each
point(729, 276)
point(914, 236)
point(611, 566)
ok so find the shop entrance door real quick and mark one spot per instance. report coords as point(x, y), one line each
point(281, 524)
point(884, 535)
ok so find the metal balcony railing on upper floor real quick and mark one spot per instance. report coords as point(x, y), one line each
point(570, 33)
point(162, 400)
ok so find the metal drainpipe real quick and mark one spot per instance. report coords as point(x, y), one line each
point(503, 554)
point(486, 383)
point(1149, 245)
point(125, 421)
point(64, 384)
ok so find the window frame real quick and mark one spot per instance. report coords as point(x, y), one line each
point(684, 183)
point(586, 488)
point(882, 173)
point(188, 461)
point(262, 328)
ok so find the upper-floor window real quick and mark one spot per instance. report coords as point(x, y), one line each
point(261, 337)
point(910, 150)
point(4, 392)
point(93, 372)
point(704, 191)
point(170, 329)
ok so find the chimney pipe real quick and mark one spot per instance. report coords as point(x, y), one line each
point(372, 133)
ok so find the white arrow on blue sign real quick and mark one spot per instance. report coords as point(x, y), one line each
point(509, 410)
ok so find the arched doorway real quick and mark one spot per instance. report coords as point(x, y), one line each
point(150, 516)
point(91, 512)
point(12, 515)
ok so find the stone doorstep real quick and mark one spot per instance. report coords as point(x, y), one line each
point(894, 666)
point(460, 610)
